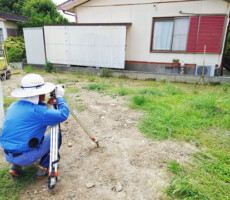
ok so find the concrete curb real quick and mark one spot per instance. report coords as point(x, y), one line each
point(140, 75)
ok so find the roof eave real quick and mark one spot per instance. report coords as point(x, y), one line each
point(70, 5)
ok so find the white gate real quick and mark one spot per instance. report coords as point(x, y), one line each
point(96, 46)
point(34, 42)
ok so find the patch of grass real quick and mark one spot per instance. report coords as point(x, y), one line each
point(225, 87)
point(72, 89)
point(163, 80)
point(72, 80)
point(122, 92)
point(91, 78)
point(80, 107)
point(61, 81)
point(105, 72)
point(8, 101)
point(78, 75)
point(172, 90)
point(28, 69)
point(151, 91)
point(139, 100)
point(174, 167)
point(207, 177)
point(98, 86)
point(10, 188)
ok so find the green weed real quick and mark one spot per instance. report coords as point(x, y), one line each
point(78, 75)
point(61, 81)
point(105, 72)
point(91, 78)
point(10, 188)
point(98, 87)
point(225, 87)
point(174, 167)
point(72, 89)
point(122, 92)
point(171, 89)
point(28, 69)
point(48, 67)
point(139, 100)
point(80, 107)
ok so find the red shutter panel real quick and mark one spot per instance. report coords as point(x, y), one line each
point(193, 27)
point(210, 34)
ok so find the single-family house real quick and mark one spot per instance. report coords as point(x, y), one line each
point(159, 31)
point(8, 24)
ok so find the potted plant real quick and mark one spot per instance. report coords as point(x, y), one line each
point(176, 62)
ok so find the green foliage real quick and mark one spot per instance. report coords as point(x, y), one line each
point(91, 78)
point(105, 72)
point(172, 90)
point(174, 167)
point(15, 48)
point(28, 69)
point(176, 60)
point(163, 80)
point(48, 67)
point(12, 6)
point(42, 12)
point(10, 188)
point(225, 87)
point(61, 80)
point(139, 100)
point(122, 92)
point(98, 87)
point(72, 89)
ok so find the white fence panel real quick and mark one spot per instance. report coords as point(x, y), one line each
point(1, 106)
point(96, 46)
point(34, 42)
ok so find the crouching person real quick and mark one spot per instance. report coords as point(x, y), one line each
point(22, 137)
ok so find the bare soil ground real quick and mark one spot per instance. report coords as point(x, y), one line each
point(125, 160)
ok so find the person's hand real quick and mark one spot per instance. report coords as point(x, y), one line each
point(59, 91)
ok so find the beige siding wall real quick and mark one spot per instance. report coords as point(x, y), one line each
point(139, 34)
point(5, 25)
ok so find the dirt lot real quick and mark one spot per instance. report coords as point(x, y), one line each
point(125, 166)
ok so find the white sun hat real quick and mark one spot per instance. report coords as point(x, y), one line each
point(33, 85)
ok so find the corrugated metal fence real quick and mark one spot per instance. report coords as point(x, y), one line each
point(95, 46)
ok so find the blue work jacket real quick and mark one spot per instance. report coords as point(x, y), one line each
point(25, 124)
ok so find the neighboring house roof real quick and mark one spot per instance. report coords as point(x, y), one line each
point(70, 5)
point(12, 17)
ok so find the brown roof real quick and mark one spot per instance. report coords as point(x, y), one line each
point(13, 17)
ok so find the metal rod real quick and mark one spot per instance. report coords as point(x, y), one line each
point(94, 139)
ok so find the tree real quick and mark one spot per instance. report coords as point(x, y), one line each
point(42, 12)
point(12, 6)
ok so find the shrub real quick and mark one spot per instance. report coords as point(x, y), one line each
point(48, 67)
point(14, 54)
point(15, 48)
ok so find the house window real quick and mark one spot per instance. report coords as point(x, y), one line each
point(12, 32)
point(170, 34)
point(188, 34)
point(1, 36)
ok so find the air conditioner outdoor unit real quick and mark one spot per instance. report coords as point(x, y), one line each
point(209, 70)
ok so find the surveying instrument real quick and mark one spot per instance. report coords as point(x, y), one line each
point(55, 135)
point(202, 80)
